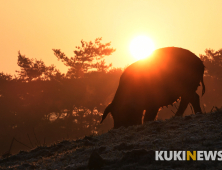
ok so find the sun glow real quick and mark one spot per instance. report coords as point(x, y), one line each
point(141, 47)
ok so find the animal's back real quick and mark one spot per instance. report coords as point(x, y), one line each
point(166, 75)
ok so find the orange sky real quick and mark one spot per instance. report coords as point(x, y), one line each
point(36, 27)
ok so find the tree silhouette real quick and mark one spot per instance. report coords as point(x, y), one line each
point(29, 100)
point(32, 69)
point(213, 62)
point(85, 57)
point(213, 78)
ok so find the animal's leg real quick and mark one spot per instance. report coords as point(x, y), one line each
point(134, 115)
point(150, 114)
point(138, 117)
point(183, 105)
point(195, 101)
point(117, 124)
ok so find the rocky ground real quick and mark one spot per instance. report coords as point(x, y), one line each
point(130, 148)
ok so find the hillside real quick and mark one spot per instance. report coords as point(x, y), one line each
point(130, 148)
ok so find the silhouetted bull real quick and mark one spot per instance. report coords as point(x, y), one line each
point(168, 74)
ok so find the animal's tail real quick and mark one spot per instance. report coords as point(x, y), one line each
point(106, 112)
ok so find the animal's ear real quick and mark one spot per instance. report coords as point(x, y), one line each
point(106, 112)
point(104, 116)
point(101, 121)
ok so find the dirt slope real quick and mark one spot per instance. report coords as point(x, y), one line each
point(130, 148)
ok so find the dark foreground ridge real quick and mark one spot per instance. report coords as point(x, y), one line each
point(130, 148)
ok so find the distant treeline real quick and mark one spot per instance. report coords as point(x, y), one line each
point(41, 105)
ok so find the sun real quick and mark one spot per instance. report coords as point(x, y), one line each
point(141, 47)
